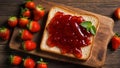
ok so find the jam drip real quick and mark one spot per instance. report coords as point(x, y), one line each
point(66, 33)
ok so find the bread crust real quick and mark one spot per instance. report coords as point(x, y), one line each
point(86, 51)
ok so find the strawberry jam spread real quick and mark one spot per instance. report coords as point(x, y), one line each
point(66, 33)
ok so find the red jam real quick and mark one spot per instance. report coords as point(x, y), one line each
point(66, 33)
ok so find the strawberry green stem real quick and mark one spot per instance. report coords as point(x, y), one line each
point(117, 34)
point(41, 59)
point(23, 59)
point(20, 32)
point(12, 18)
point(10, 58)
point(40, 7)
point(2, 29)
point(22, 10)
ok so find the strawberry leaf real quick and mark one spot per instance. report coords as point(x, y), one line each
point(11, 59)
point(117, 34)
point(40, 7)
point(13, 18)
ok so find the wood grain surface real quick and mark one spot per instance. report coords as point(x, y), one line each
point(104, 7)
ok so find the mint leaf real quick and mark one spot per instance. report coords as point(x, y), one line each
point(86, 24)
point(93, 30)
point(89, 27)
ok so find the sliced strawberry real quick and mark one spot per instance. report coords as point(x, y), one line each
point(23, 22)
point(4, 33)
point(34, 26)
point(12, 21)
point(26, 35)
point(15, 59)
point(29, 45)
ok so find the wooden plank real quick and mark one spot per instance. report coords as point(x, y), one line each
point(3, 20)
point(106, 9)
point(9, 10)
point(112, 60)
point(11, 1)
point(84, 1)
point(99, 8)
point(84, 5)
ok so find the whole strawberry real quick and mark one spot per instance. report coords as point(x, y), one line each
point(34, 26)
point(12, 21)
point(29, 63)
point(117, 13)
point(30, 5)
point(41, 64)
point(39, 12)
point(25, 35)
point(25, 12)
point(23, 21)
point(4, 33)
point(15, 59)
point(115, 42)
point(29, 45)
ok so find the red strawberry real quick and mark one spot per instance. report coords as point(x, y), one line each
point(117, 13)
point(115, 42)
point(15, 60)
point(29, 63)
point(30, 5)
point(25, 12)
point(4, 33)
point(38, 13)
point(34, 26)
point(26, 35)
point(12, 21)
point(42, 64)
point(29, 45)
point(23, 22)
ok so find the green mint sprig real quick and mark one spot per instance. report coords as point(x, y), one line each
point(89, 27)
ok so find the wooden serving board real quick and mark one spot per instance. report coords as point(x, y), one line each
point(98, 54)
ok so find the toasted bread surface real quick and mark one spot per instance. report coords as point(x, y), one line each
point(86, 51)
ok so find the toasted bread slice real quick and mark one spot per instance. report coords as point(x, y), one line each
point(86, 51)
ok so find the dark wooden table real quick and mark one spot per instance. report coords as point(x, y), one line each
point(105, 7)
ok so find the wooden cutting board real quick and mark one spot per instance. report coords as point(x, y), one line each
point(98, 54)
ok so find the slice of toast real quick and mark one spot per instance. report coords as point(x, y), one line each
point(86, 51)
